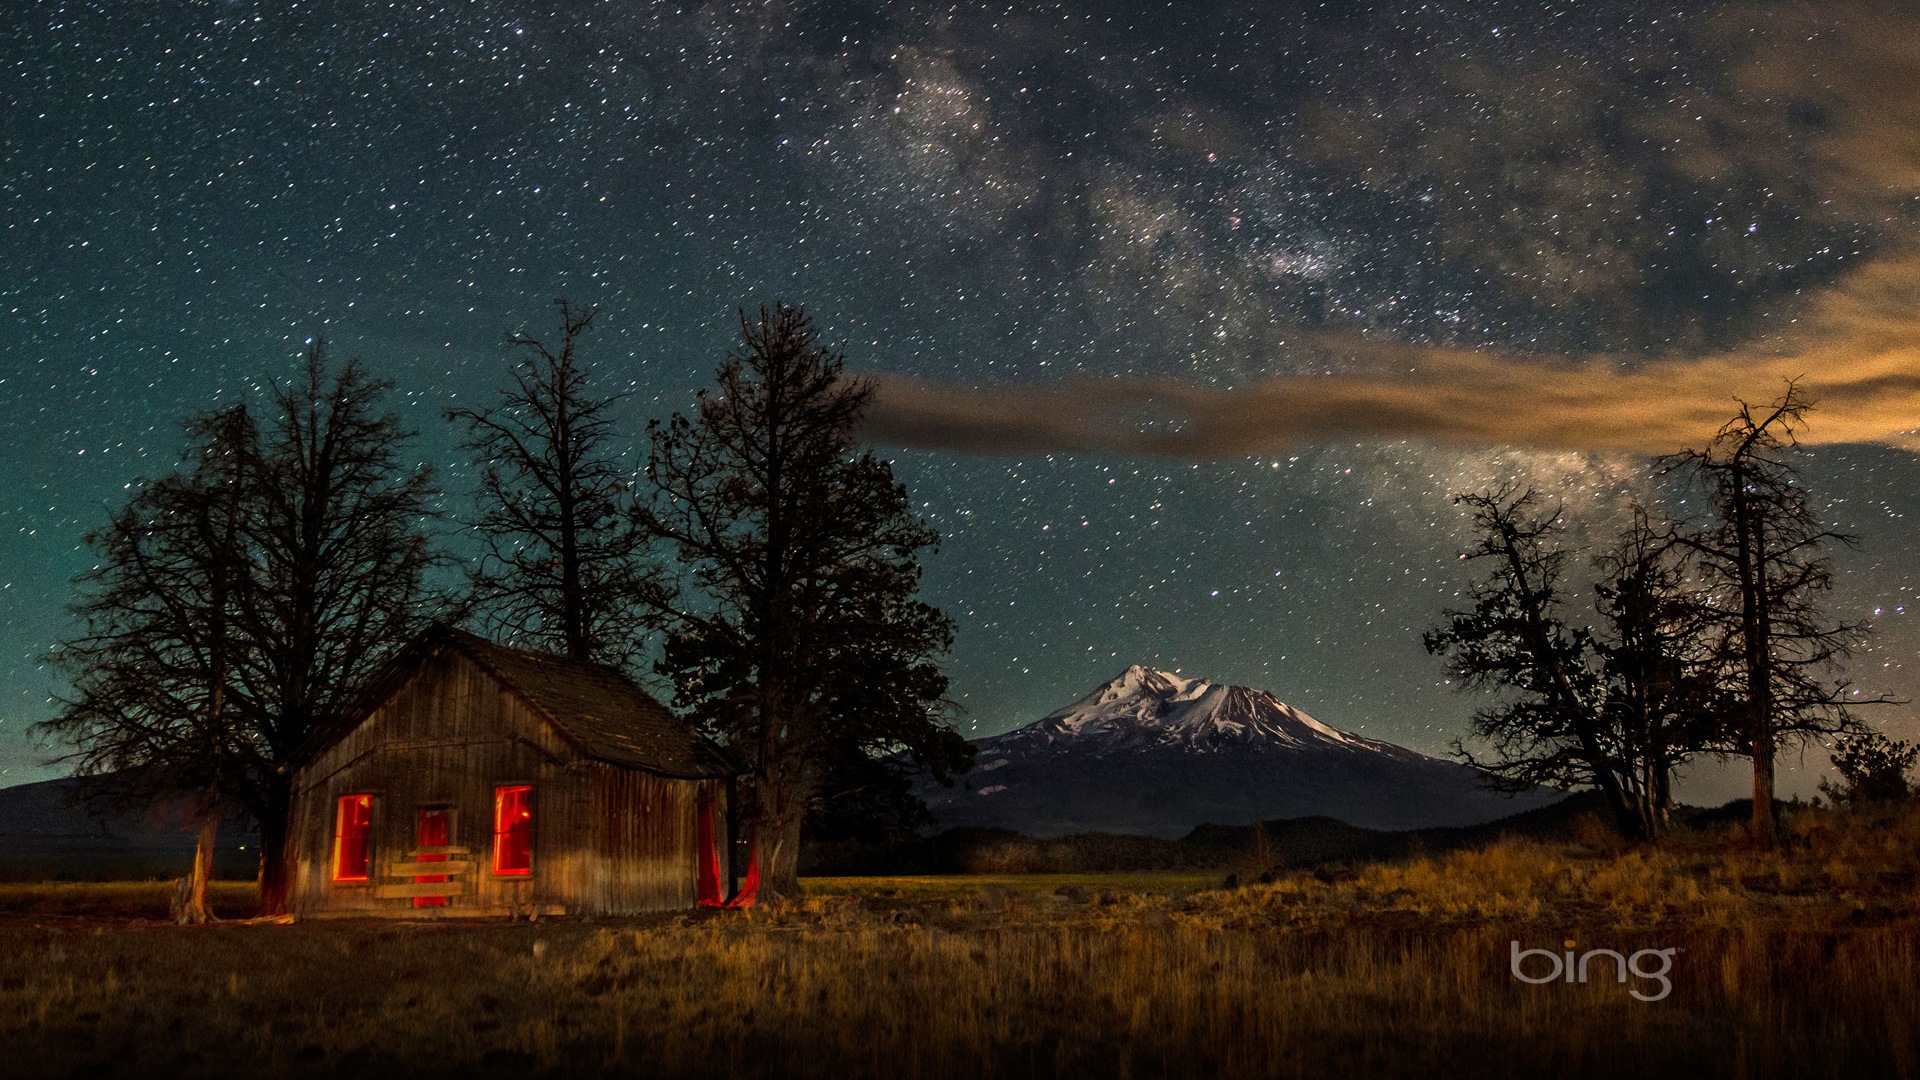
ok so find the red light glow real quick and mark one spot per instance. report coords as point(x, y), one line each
point(353, 838)
point(513, 830)
point(434, 830)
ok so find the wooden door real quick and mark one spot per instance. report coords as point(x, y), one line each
point(435, 829)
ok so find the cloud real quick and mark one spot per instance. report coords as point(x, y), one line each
point(1855, 68)
point(1865, 382)
point(1850, 75)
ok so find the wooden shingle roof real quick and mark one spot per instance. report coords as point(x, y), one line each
point(593, 706)
point(600, 709)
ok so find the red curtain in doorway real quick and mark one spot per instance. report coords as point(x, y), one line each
point(707, 880)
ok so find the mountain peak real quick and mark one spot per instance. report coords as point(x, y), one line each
point(1139, 680)
point(1148, 705)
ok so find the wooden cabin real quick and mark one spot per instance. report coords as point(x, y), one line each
point(477, 779)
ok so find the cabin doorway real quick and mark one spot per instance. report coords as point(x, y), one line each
point(433, 830)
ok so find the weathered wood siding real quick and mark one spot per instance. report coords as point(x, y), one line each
point(606, 839)
point(648, 843)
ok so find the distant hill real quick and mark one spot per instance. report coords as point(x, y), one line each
point(1288, 844)
point(1301, 842)
point(49, 831)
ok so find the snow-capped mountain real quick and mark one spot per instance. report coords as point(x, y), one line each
point(1144, 707)
point(1157, 753)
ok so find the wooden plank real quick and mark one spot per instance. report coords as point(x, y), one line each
point(449, 850)
point(414, 869)
point(423, 866)
point(421, 888)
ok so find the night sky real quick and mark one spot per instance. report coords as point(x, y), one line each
point(1188, 316)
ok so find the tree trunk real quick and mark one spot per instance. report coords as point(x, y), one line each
point(1643, 823)
point(1764, 833)
point(274, 883)
point(779, 812)
point(1656, 796)
point(1760, 737)
point(1539, 641)
point(195, 910)
point(780, 859)
point(735, 817)
point(1619, 799)
point(190, 900)
point(1756, 641)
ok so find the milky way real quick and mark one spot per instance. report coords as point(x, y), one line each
point(1189, 316)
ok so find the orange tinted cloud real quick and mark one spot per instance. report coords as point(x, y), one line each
point(1855, 346)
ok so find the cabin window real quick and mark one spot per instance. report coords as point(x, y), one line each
point(353, 838)
point(513, 829)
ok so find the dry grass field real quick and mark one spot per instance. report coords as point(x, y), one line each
point(1804, 963)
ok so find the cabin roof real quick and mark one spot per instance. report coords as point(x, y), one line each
point(594, 706)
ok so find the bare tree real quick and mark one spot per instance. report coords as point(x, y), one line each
point(152, 663)
point(1764, 558)
point(565, 565)
point(238, 608)
point(795, 633)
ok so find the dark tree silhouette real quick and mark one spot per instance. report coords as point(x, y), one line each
point(152, 663)
point(1657, 666)
point(1618, 707)
point(1550, 730)
point(565, 566)
point(794, 632)
point(242, 602)
point(1763, 560)
point(1873, 768)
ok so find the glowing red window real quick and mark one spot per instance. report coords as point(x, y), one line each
point(513, 829)
point(353, 838)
